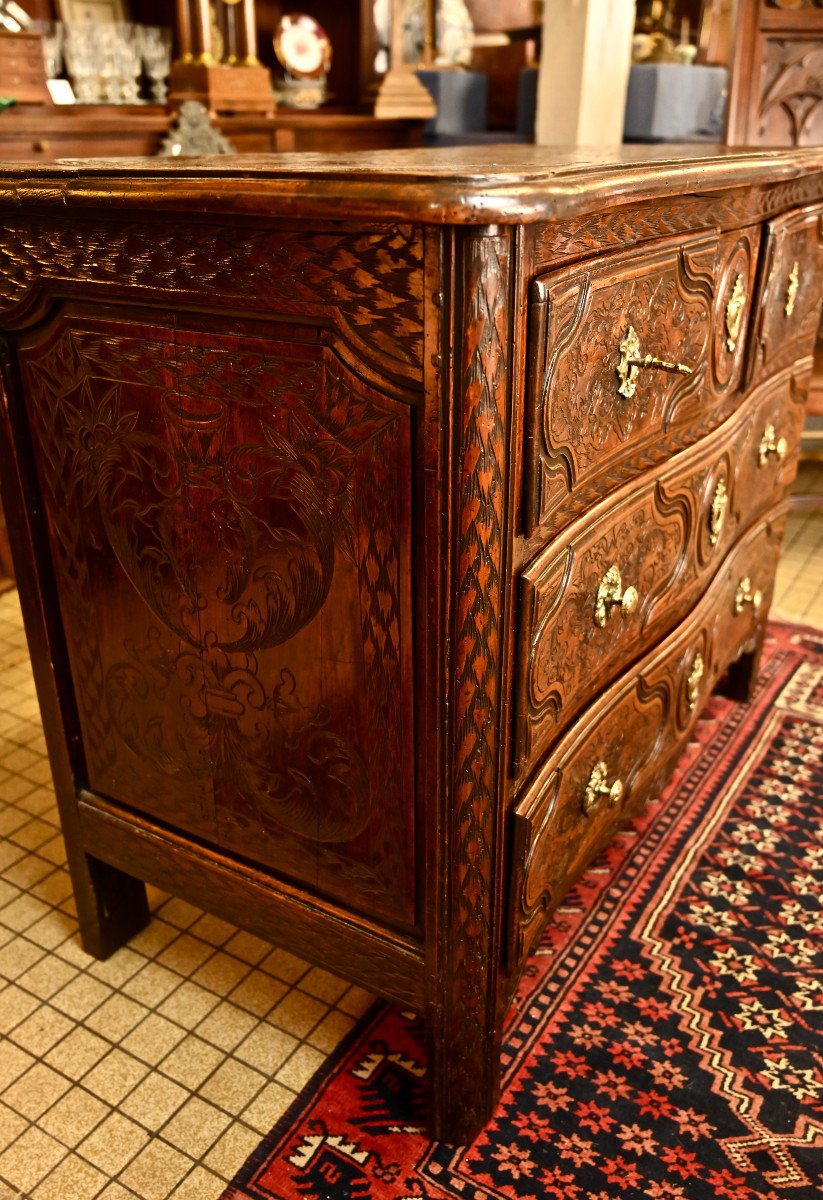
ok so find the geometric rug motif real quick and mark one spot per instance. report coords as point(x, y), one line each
point(665, 1040)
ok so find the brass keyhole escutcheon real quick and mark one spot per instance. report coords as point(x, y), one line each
point(717, 514)
point(611, 594)
point(791, 288)
point(694, 680)
point(746, 594)
point(598, 788)
point(632, 360)
point(734, 313)
point(770, 443)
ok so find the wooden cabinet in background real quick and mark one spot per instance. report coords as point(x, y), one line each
point(382, 524)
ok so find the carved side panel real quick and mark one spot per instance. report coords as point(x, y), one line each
point(791, 295)
point(634, 731)
point(602, 410)
point(368, 286)
point(790, 109)
point(230, 526)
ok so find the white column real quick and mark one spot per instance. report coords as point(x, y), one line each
point(584, 72)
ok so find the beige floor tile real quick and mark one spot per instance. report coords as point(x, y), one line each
point(80, 997)
point(14, 1062)
point(73, 1179)
point(188, 1005)
point(230, 1151)
point(47, 976)
point(153, 1038)
point(199, 1185)
point(11, 1125)
point(154, 1101)
point(113, 1144)
point(213, 930)
point(266, 1048)
point(259, 993)
point(323, 985)
point(15, 1006)
point(74, 1116)
point(284, 966)
point(117, 969)
point(226, 1026)
point(196, 1127)
point(40, 1032)
point(300, 1067)
point(191, 1062)
point(156, 1171)
point(248, 947)
point(221, 973)
point(117, 1191)
point(27, 870)
point(152, 984)
point(116, 1017)
point(297, 1013)
point(22, 912)
point(78, 1053)
point(34, 1092)
point(154, 938)
point(268, 1107)
point(115, 1076)
point(233, 1085)
point(185, 954)
point(30, 1158)
point(331, 1031)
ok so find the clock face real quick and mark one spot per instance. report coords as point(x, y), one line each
point(302, 46)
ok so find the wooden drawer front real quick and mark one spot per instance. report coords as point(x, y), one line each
point(666, 539)
point(588, 427)
point(790, 295)
point(635, 731)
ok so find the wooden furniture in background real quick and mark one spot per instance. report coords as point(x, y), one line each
point(776, 99)
point(22, 71)
point(382, 525)
point(776, 83)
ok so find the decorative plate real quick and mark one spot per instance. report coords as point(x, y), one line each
point(302, 46)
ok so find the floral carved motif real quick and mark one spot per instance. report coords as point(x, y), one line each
point(222, 500)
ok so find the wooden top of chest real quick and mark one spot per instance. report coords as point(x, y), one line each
point(468, 185)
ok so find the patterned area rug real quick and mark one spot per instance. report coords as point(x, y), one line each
point(665, 1040)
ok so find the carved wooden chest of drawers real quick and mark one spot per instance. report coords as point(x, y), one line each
point(383, 522)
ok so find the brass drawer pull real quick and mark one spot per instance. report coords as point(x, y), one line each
point(734, 312)
point(791, 288)
point(770, 443)
point(597, 788)
point(694, 681)
point(746, 595)
point(717, 514)
point(631, 361)
point(611, 592)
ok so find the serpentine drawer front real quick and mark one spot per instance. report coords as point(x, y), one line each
point(382, 523)
point(619, 578)
point(634, 355)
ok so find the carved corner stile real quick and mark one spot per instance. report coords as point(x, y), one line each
point(466, 1040)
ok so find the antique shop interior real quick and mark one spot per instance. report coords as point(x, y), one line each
point(154, 1073)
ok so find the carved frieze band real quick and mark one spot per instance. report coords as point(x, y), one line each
point(368, 284)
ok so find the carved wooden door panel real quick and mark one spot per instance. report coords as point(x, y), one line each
point(229, 520)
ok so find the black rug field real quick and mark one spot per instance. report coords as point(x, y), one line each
point(666, 1037)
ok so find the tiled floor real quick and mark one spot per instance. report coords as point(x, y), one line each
point(154, 1074)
